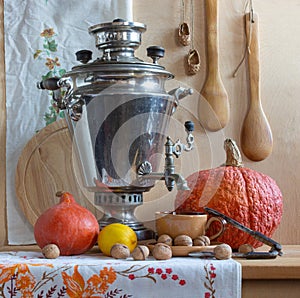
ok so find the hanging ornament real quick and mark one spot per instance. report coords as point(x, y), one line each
point(184, 36)
point(193, 61)
point(193, 57)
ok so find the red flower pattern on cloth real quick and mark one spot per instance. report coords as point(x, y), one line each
point(151, 270)
point(210, 277)
point(164, 274)
point(131, 276)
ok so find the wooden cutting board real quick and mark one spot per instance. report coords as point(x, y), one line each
point(47, 165)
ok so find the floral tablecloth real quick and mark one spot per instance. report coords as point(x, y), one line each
point(29, 274)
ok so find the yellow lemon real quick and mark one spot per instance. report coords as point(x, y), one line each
point(116, 233)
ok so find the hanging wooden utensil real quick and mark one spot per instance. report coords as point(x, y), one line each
point(256, 134)
point(214, 106)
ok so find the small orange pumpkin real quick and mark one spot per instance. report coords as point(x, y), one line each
point(73, 228)
point(249, 197)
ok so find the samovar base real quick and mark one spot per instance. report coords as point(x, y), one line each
point(119, 208)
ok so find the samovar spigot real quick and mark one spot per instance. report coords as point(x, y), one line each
point(176, 148)
point(171, 149)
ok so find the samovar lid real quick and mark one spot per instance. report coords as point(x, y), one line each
point(117, 41)
point(119, 33)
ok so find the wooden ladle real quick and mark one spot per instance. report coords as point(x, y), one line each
point(214, 105)
point(256, 134)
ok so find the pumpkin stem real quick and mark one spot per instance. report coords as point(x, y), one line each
point(65, 197)
point(233, 155)
point(60, 193)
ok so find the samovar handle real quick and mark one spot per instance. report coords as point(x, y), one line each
point(63, 99)
point(179, 93)
point(49, 84)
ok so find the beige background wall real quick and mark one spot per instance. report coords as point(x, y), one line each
point(280, 70)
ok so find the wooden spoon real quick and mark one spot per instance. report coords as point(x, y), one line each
point(214, 109)
point(256, 134)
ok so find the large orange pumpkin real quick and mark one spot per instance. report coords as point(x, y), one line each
point(73, 228)
point(249, 197)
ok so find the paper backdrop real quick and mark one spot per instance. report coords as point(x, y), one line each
point(41, 38)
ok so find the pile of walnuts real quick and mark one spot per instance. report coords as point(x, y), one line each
point(184, 240)
point(162, 249)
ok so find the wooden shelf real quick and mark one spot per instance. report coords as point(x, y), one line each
point(285, 267)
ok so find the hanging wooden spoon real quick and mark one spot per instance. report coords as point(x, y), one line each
point(256, 134)
point(214, 105)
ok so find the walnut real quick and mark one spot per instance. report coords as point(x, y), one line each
point(201, 241)
point(162, 251)
point(183, 240)
point(141, 252)
point(245, 248)
point(120, 251)
point(51, 251)
point(165, 239)
point(223, 252)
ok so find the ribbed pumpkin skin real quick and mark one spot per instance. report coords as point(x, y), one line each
point(73, 228)
point(249, 197)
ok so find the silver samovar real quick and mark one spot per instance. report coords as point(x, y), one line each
point(118, 111)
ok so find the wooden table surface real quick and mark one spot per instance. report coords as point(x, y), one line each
point(286, 266)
